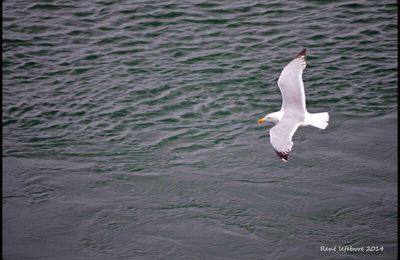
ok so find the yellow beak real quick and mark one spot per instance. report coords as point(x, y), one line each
point(261, 120)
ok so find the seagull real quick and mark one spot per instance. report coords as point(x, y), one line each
point(293, 113)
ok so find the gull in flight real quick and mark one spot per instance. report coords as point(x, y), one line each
point(293, 113)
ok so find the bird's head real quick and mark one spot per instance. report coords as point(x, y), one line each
point(272, 117)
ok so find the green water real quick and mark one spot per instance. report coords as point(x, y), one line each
point(129, 130)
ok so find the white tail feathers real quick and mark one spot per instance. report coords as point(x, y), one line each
point(319, 120)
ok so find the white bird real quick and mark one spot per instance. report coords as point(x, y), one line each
point(293, 113)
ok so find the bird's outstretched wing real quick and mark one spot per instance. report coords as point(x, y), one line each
point(281, 135)
point(291, 84)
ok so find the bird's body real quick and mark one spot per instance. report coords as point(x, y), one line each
point(293, 113)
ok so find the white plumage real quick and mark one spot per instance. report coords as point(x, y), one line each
point(293, 113)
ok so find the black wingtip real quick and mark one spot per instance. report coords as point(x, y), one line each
point(283, 155)
point(302, 53)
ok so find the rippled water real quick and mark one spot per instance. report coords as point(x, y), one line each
point(129, 130)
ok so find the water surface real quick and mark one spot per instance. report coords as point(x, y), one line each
point(129, 130)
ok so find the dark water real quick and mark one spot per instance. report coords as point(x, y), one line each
point(129, 130)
